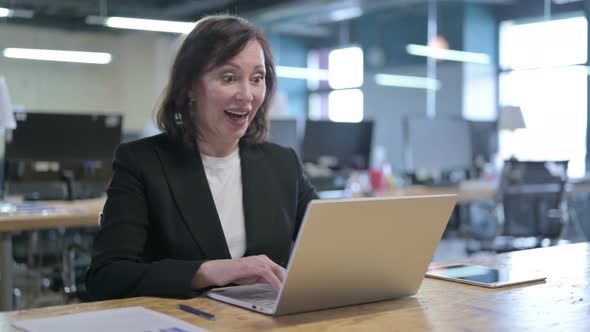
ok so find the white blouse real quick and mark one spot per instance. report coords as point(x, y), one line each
point(225, 181)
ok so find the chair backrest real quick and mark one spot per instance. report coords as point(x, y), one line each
point(531, 193)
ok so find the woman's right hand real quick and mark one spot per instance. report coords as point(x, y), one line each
point(244, 271)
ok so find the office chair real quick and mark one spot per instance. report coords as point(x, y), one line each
point(530, 204)
point(76, 258)
point(37, 260)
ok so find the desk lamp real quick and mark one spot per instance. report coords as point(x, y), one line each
point(511, 119)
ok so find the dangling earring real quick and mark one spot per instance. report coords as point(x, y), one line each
point(178, 119)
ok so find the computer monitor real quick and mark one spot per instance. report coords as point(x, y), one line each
point(441, 144)
point(484, 139)
point(284, 132)
point(338, 145)
point(48, 150)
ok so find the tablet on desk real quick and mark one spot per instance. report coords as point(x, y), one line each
point(482, 275)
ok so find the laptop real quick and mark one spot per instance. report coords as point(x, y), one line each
point(352, 251)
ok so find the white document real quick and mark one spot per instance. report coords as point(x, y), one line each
point(131, 319)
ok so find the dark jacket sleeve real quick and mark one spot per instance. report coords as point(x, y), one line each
point(306, 193)
point(121, 264)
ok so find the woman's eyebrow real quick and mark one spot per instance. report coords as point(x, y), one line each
point(234, 65)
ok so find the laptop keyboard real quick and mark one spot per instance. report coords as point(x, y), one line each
point(265, 297)
point(267, 303)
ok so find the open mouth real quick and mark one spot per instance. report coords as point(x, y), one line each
point(237, 114)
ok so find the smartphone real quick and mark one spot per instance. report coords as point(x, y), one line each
point(483, 276)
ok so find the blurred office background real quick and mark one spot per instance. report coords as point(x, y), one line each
point(375, 95)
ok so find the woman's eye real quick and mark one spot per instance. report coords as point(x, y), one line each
point(258, 79)
point(228, 78)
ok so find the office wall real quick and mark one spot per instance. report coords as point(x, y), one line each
point(131, 84)
point(480, 81)
point(292, 93)
point(392, 29)
point(390, 32)
point(587, 12)
point(388, 106)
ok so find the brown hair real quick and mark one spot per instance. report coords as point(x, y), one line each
point(214, 41)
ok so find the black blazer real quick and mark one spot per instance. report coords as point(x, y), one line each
point(160, 222)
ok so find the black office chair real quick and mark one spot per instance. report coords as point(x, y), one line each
point(530, 204)
point(76, 259)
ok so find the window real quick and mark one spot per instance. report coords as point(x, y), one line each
point(345, 105)
point(544, 77)
point(346, 68)
point(345, 74)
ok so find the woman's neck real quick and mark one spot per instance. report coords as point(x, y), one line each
point(218, 149)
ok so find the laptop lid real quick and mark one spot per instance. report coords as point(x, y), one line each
point(363, 250)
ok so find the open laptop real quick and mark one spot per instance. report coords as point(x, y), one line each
point(352, 251)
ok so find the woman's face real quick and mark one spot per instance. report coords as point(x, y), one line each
point(227, 97)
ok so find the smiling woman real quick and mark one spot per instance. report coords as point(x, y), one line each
point(226, 99)
point(214, 52)
point(208, 202)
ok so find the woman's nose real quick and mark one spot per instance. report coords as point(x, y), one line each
point(244, 93)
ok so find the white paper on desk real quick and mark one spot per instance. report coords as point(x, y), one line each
point(131, 319)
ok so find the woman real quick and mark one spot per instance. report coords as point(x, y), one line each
point(207, 203)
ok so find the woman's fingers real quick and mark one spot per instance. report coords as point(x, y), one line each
point(266, 270)
point(245, 271)
point(276, 268)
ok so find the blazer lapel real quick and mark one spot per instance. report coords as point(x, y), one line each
point(258, 199)
point(186, 177)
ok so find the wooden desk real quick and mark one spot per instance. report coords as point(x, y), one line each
point(470, 192)
point(86, 215)
point(561, 304)
point(464, 194)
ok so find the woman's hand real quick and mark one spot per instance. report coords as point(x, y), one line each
point(243, 271)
